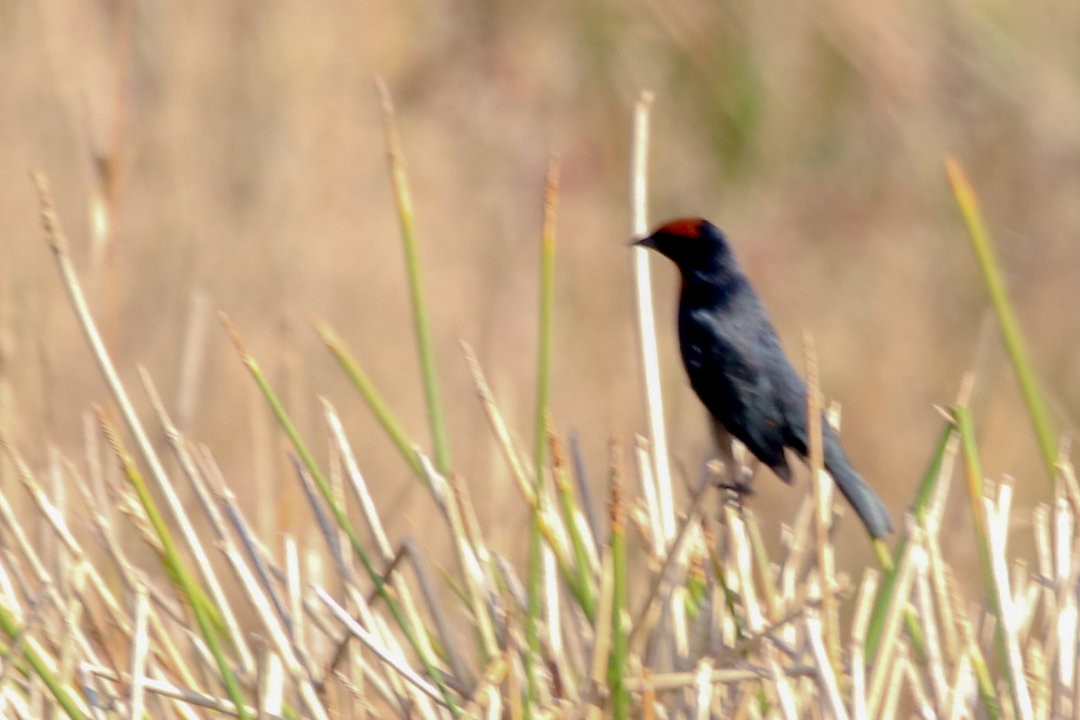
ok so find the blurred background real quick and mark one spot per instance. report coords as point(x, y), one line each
point(234, 152)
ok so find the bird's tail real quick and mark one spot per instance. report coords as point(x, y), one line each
point(868, 506)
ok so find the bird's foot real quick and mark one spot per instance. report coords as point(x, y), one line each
point(735, 480)
point(739, 489)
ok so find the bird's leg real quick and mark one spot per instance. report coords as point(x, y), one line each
point(736, 482)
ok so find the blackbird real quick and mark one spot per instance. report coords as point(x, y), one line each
point(738, 368)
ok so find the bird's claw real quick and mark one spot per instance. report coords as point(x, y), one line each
point(739, 489)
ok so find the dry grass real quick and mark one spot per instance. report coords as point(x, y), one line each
point(239, 152)
point(682, 618)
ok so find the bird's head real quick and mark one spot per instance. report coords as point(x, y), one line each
point(695, 245)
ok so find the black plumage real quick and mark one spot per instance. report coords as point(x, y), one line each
point(738, 368)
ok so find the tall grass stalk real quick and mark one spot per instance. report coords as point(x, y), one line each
point(543, 390)
point(1010, 326)
point(403, 197)
point(646, 322)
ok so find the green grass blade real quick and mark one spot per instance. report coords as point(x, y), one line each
point(72, 704)
point(974, 477)
point(1010, 326)
point(371, 396)
point(620, 641)
point(547, 308)
point(885, 597)
point(543, 387)
point(580, 578)
point(403, 197)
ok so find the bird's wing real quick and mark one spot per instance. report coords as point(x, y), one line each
point(732, 369)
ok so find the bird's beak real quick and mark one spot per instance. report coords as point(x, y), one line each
point(645, 242)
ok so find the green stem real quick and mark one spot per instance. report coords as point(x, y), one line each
point(543, 383)
point(403, 200)
point(620, 645)
point(885, 558)
point(578, 577)
point(1010, 326)
point(974, 477)
point(31, 651)
point(372, 397)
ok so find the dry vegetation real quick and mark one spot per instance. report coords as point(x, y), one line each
point(210, 545)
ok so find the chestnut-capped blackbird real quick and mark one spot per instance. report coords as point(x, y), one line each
point(739, 370)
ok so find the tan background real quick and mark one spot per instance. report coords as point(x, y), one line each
point(250, 163)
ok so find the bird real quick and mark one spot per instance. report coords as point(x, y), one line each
point(738, 368)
